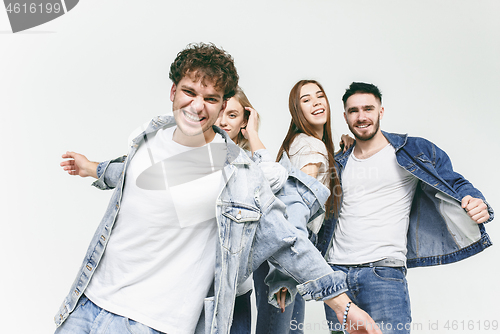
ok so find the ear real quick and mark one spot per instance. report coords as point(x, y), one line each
point(345, 116)
point(381, 113)
point(172, 92)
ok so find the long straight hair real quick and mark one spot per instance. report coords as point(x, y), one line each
point(299, 125)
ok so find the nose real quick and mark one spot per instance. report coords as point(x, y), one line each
point(198, 104)
point(316, 101)
point(361, 116)
point(221, 121)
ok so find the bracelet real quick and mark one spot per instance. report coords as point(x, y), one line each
point(344, 321)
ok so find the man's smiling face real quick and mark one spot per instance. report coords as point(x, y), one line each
point(196, 107)
point(363, 113)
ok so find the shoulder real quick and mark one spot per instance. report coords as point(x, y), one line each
point(407, 142)
point(419, 144)
point(309, 143)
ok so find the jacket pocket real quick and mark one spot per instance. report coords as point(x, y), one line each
point(238, 225)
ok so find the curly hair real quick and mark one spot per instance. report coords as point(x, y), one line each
point(208, 63)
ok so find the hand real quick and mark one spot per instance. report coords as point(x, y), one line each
point(280, 298)
point(346, 141)
point(476, 209)
point(252, 125)
point(358, 321)
point(79, 165)
point(250, 131)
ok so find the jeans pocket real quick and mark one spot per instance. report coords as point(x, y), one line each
point(389, 273)
point(81, 303)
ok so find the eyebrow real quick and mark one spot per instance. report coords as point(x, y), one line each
point(362, 107)
point(194, 90)
point(318, 92)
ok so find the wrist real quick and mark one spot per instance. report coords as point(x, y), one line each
point(338, 304)
point(91, 168)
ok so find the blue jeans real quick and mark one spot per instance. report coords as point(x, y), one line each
point(380, 291)
point(242, 316)
point(89, 318)
point(270, 320)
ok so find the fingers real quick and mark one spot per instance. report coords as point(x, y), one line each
point(465, 201)
point(69, 155)
point(476, 209)
point(69, 165)
point(283, 299)
point(253, 114)
point(346, 142)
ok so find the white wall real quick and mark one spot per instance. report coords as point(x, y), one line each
point(83, 82)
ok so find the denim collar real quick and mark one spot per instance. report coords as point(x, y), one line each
point(395, 139)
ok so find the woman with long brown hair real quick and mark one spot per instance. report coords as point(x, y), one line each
point(310, 148)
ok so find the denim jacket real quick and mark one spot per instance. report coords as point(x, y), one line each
point(440, 231)
point(252, 228)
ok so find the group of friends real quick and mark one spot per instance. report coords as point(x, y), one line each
point(201, 209)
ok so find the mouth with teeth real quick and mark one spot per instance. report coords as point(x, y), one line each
point(192, 117)
point(362, 126)
point(318, 112)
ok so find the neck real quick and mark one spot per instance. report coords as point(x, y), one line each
point(366, 148)
point(194, 141)
point(319, 133)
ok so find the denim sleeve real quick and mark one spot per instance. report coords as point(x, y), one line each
point(109, 173)
point(275, 174)
point(301, 205)
point(462, 186)
point(296, 258)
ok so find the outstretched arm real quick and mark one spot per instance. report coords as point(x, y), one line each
point(79, 165)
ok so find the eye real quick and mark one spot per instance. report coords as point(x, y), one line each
point(232, 116)
point(211, 100)
point(305, 100)
point(188, 92)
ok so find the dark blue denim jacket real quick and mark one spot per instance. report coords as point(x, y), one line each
point(440, 231)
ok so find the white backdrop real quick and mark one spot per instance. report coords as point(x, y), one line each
point(84, 81)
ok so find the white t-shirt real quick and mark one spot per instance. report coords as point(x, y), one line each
point(306, 150)
point(374, 217)
point(160, 260)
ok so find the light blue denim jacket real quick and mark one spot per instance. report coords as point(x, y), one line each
point(440, 231)
point(252, 227)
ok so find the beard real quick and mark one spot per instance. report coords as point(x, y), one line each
point(366, 136)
